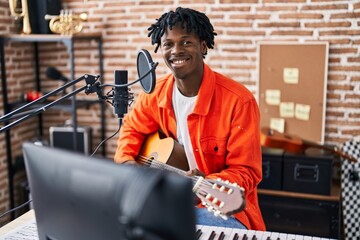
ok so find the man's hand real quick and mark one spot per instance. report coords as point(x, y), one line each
point(131, 162)
point(195, 172)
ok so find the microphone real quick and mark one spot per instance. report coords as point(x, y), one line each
point(121, 96)
point(144, 65)
point(55, 74)
point(146, 72)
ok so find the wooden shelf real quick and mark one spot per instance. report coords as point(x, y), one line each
point(47, 37)
point(335, 194)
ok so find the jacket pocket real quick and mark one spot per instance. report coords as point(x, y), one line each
point(213, 146)
point(214, 153)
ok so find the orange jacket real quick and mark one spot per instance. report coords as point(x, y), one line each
point(224, 132)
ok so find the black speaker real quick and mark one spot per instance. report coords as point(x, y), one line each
point(37, 11)
point(63, 137)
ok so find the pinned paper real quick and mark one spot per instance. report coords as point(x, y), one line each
point(277, 124)
point(272, 96)
point(287, 109)
point(291, 75)
point(302, 112)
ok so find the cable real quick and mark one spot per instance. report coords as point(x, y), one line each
point(120, 122)
point(16, 208)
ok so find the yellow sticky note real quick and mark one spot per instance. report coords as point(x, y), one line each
point(302, 112)
point(291, 75)
point(277, 124)
point(272, 96)
point(287, 109)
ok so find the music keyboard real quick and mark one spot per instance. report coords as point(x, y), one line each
point(221, 233)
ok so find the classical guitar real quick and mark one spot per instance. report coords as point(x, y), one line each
point(291, 143)
point(221, 197)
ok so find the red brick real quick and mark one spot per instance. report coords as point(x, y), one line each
point(301, 16)
point(291, 33)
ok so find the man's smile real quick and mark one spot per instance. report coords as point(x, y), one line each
point(178, 62)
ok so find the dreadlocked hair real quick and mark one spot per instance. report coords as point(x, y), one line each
point(190, 19)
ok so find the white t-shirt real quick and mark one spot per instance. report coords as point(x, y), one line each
point(183, 106)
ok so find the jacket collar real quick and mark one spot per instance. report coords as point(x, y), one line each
point(204, 97)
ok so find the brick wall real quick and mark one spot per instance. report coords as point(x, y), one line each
point(240, 25)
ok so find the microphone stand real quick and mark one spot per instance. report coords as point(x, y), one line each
point(92, 85)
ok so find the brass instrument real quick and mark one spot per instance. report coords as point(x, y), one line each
point(66, 23)
point(21, 12)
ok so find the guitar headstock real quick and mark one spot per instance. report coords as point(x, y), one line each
point(221, 197)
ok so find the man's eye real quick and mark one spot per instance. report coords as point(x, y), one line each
point(166, 45)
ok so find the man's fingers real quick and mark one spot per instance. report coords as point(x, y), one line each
point(195, 172)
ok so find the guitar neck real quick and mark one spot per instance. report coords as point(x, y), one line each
point(160, 165)
point(308, 144)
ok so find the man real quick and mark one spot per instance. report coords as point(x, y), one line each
point(215, 118)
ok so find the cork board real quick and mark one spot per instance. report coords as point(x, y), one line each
point(292, 88)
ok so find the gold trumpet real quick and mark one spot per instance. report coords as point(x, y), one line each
point(21, 12)
point(66, 23)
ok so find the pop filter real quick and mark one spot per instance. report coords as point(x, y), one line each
point(144, 65)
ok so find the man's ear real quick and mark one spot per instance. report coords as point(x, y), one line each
point(204, 48)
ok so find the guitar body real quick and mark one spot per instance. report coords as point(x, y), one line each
point(274, 139)
point(165, 150)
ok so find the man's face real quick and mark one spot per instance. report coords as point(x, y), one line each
point(183, 53)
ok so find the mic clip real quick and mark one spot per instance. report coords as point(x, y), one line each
point(124, 96)
point(92, 85)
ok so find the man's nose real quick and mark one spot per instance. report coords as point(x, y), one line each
point(177, 48)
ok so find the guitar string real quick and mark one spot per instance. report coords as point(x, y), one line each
point(205, 182)
point(157, 164)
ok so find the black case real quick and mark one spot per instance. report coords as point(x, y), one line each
point(272, 168)
point(63, 137)
point(310, 172)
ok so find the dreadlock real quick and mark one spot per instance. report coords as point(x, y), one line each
point(194, 20)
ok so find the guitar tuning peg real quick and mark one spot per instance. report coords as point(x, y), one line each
point(224, 217)
point(217, 213)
